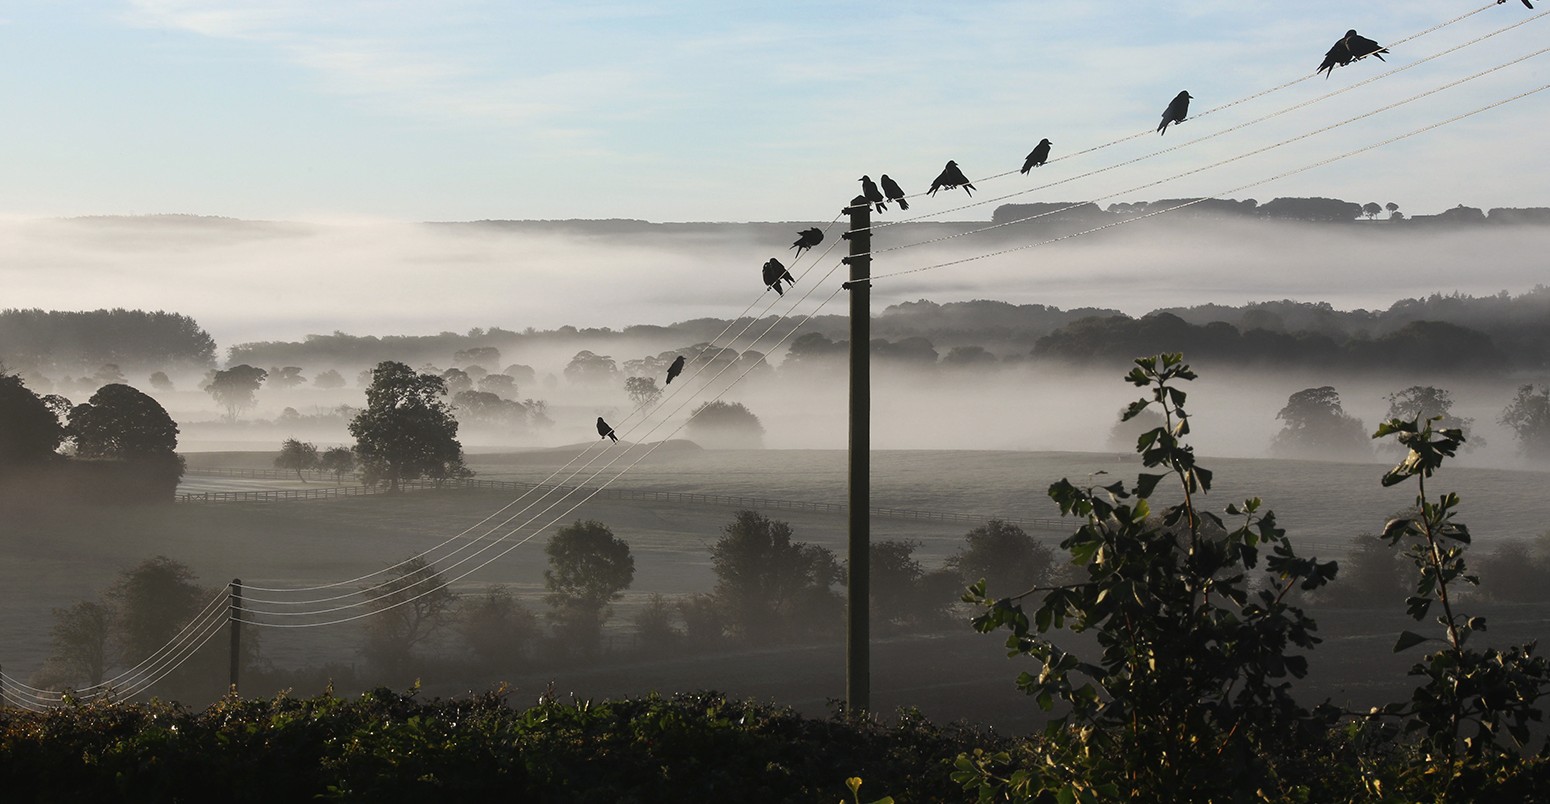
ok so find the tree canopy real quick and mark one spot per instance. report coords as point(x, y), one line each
point(406, 430)
point(29, 432)
point(589, 568)
point(234, 388)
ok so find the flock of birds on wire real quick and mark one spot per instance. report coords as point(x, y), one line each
point(1350, 48)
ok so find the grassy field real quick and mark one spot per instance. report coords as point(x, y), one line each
point(62, 557)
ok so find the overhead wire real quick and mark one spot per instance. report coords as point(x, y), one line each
point(1192, 171)
point(1239, 188)
point(1260, 94)
point(1179, 146)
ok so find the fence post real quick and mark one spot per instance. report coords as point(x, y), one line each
point(232, 622)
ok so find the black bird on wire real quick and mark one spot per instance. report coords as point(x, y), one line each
point(951, 177)
point(1038, 156)
point(891, 189)
point(604, 431)
point(869, 192)
point(1177, 110)
point(674, 370)
point(1351, 47)
point(1525, 2)
point(806, 239)
point(774, 272)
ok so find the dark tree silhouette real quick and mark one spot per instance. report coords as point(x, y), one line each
point(589, 568)
point(725, 425)
point(406, 430)
point(1318, 427)
point(337, 461)
point(773, 588)
point(298, 456)
point(119, 423)
point(234, 388)
point(1528, 415)
point(29, 431)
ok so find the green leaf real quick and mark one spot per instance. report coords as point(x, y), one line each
point(1407, 640)
point(1146, 483)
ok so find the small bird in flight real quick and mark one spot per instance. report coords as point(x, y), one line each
point(806, 239)
point(1351, 47)
point(774, 272)
point(1177, 110)
point(869, 192)
point(1038, 156)
point(674, 370)
point(950, 178)
point(604, 431)
point(891, 189)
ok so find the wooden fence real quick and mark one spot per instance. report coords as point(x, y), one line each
point(678, 497)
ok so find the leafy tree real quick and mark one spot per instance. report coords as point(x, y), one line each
point(1002, 552)
point(120, 423)
point(497, 628)
point(298, 456)
point(706, 623)
point(1190, 654)
point(1428, 402)
point(328, 380)
point(80, 641)
point(337, 461)
point(153, 603)
point(589, 568)
point(725, 425)
point(29, 431)
point(478, 355)
point(406, 610)
point(285, 377)
point(1393, 209)
point(1528, 415)
point(1370, 576)
point(484, 407)
point(1513, 574)
point(1468, 696)
point(457, 381)
point(406, 430)
point(589, 368)
point(498, 384)
point(160, 381)
point(1317, 426)
point(654, 626)
point(234, 388)
point(903, 592)
point(967, 357)
point(1371, 209)
point(643, 391)
point(772, 588)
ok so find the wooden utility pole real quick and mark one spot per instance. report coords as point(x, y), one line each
point(233, 622)
point(858, 657)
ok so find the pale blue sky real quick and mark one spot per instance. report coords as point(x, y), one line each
point(468, 109)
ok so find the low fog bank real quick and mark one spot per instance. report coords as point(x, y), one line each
point(247, 281)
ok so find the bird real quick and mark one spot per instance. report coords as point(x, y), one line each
point(774, 272)
point(1177, 110)
point(1525, 2)
point(806, 239)
point(1351, 47)
point(950, 178)
point(892, 190)
point(869, 192)
point(1038, 156)
point(675, 369)
point(604, 431)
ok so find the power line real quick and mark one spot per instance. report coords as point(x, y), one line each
point(1240, 188)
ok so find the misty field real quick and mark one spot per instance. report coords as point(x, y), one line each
point(57, 559)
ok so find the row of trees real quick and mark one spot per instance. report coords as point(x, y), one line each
point(59, 341)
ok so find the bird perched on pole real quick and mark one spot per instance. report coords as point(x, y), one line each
point(1177, 110)
point(774, 272)
point(950, 178)
point(604, 431)
point(1038, 156)
point(1351, 47)
point(806, 239)
point(869, 192)
point(891, 189)
point(674, 370)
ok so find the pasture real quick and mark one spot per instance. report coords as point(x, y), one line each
point(62, 556)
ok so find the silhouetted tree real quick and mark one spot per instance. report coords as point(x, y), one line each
point(160, 381)
point(152, 603)
point(1318, 427)
point(1371, 209)
point(79, 638)
point(725, 425)
point(1429, 402)
point(771, 587)
point(1004, 554)
point(589, 368)
point(1528, 415)
point(589, 568)
point(285, 377)
point(483, 407)
point(234, 388)
point(1372, 575)
point(337, 461)
point(119, 423)
point(1123, 435)
point(1393, 208)
point(643, 391)
point(497, 628)
point(457, 381)
point(499, 384)
point(406, 430)
point(406, 610)
point(478, 355)
point(328, 380)
point(298, 456)
point(29, 430)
